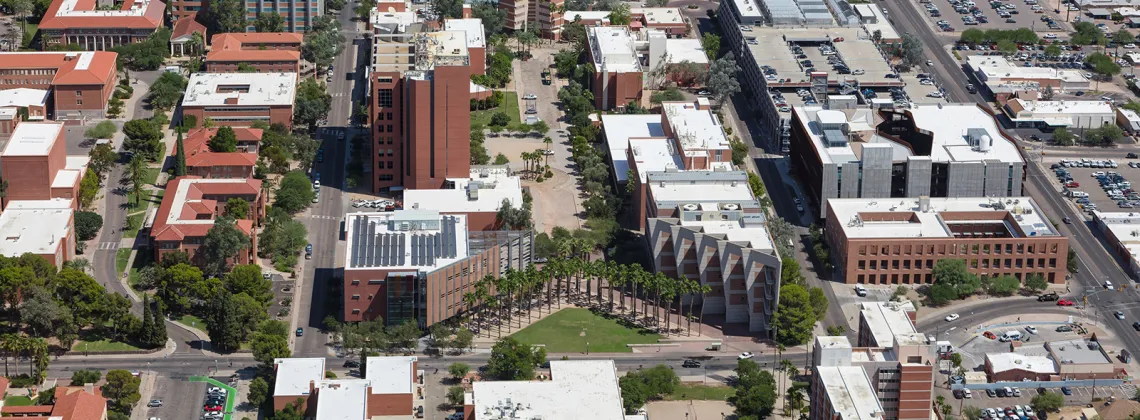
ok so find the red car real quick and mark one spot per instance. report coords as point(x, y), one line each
point(1064, 302)
point(1073, 184)
point(989, 335)
point(840, 39)
point(212, 408)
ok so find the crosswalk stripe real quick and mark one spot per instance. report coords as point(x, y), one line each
point(109, 245)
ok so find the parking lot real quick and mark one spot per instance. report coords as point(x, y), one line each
point(1112, 192)
point(959, 15)
point(1080, 395)
point(181, 399)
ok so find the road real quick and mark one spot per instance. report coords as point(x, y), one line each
point(323, 219)
point(1095, 264)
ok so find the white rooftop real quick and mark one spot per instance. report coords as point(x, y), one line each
point(887, 319)
point(67, 8)
point(874, 20)
point(392, 374)
point(35, 226)
point(32, 139)
point(999, 68)
point(754, 234)
point(685, 49)
point(410, 239)
point(710, 192)
point(659, 15)
point(612, 49)
point(589, 15)
point(578, 389)
point(476, 36)
point(698, 130)
point(619, 129)
point(294, 374)
point(1125, 226)
point(1064, 109)
point(654, 154)
point(343, 399)
point(23, 97)
point(850, 392)
point(240, 89)
point(397, 21)
point(748, 8)
point(1025, 217)
point(1002, 362)
point(484, 191)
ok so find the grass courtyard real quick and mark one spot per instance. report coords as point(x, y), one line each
point(510, 107)
point(17, 401)
point(695, 391)
point(568, 331)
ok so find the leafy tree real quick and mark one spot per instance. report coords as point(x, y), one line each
point(1064, 137)
point(1123, 37)
point(458, 370)
point(103, 130)
point(500, 119)
point(40, 311)
point(796, 318)
point(971, 412)
point(941, 294)
point(512, 360)
point(222, 242)
point(493, 17)
point(1036, 282)
point(258, 392)
point(223, 16)
point(836, 330)
point(956, 359)
point(295, 192)
point(462, 340)
point(790, 271)
point(224, 140)
point(121, 390)
point(268, 346)
point(143, 138)
point(1071, 261)
point(282, 239)
point(323, 42)
point(46, 397)
point(722, 78)
point(147, 55)
point(667, 95)
point(87, 224)
point(237, 208)
point(755, 395)
point(102, 156)
point(455, 395)
point(1049, 401)
point(1053, 50)
point(1003, 285)
point(312, 104)
point(1006, 46)
point(448, 9)
point(269, 22)
point(165, 92)
point(222, 322)
point(973, 36)
point(501, 159)
point(911, 49)
point(247, 279)
point(953, 272)
point(82, 377)
point(711, 44)
point(818, 301)
point(620, 15)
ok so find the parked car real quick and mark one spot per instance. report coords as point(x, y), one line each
point(300, 332)
point(154, 403)
point(951, 317)
point(1064, 328)
point(1064, 302)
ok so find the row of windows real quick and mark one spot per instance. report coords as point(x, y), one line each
point(384, 140)
point(384, 128)
point(384, 152)
point(973, 263)
point(384, 116)
point(962, 249)
point(386, 177)
point(25, 81)
point(236, 109)
point(48, 72)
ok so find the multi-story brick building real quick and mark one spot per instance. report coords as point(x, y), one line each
point(36, 167)
point(79, 22)
point(898, 241)
point(240, 99)
point(81, 83)
point(40, 227)
point(526, 15)
point(415, 265)
point(297, 15)
point(707, 226)
point(190, 207)
point(666, 19)
point(618, 75)
point(954, 150)
point(394, 388)
point(278, 52)
point(200, 161)
point(476, 44)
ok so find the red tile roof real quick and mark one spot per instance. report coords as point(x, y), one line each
point(99, 70)
point(197, 147)
point(228, 47)
point(187, 26)
point(74, 403)
point(222, 159)
point(164, 231)
point(27, 409)
point(151, 18)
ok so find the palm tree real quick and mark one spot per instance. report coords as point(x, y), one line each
point(134, 177)
point(549, 142)
point(669, 292)
point(7, 345)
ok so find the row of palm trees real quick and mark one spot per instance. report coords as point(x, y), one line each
point(520, 291)
point(34, 348)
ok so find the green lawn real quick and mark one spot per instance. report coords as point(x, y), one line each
point(695, 391)
point(148, 197)
point(134, 223)
point(510, 106)
point(563, 331)
point(17, 401)
point(93, 341)
point(122, 256)
point(29, 34)
point(143, 258)
point(192, 321)
point(150, 175)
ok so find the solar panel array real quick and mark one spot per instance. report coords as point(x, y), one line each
point(375, 245)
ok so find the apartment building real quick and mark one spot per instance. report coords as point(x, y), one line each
point(80, 22)
point(277, 52)
point(240, 99)
point(478, 197)
point(415, 265)
point(619, 75)
point(420, 106)
point(36, 167)
point(684, 136)
point(707, 226)
point(898, 241)
point(525, 15)
point(190, 207)
point(576, 389)
point(40, 227)
point(954, 150)
point(80, 83)
point(200, 161)
point(394, 389)
point(889, 375)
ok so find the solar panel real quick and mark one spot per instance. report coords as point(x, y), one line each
point(381, 259)
point(400, 249)
point(371, 257)
point(415, 250)
point(358, 238)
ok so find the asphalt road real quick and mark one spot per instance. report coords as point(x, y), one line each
point(325, 217)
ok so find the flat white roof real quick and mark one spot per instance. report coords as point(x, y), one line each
point(578, 389)
point(65, 178)
point(619, 129)
point(409, 239)
point(999, 68)
point(702, 192)
point(1002, 362)
point(343, 399)
point(23, 97)
point(476, 36)
point(240, 89)
point(391, 375)
point(599, 15)
point(35, 226)
point(697, 130)
point(879, 21)
point(886, 320)
point(850, 392)
point(1028, 220)
point(32, 139)
point(484, 191)
point(612, 49)
point(1125, 226)
point(400, 20)
point(685, 49)
point(755, 234)
point(295, 373)
point(654, 154)
point(748, 8)
point(659, 15)
point(1064, 108)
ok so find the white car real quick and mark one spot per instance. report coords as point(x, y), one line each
point(1031, 329)
point(745, 355)
point(934, 95)
point(1129, 46)
point(1050, 36)
point(926, 82)
point(952, 317)
point(1107, 284)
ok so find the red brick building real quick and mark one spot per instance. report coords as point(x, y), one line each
point(191, 205)
point(35, 166)
point(240, 99)
point(618, 76)
point(81, 83)
point(79, 22)
point(200, 161)
point(278, 52)
point(394, 388)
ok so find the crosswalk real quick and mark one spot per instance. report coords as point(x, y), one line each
point(341, 94)
point(110, 245)
point(323, 217)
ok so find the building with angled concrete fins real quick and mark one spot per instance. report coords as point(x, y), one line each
point(415, 265)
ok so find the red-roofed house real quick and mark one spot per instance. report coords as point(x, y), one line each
point(71, 403)
point(81, 82)
point(200, 161)
point(183, 32)
point(78, 22)
point(191, 205)
point(277, 52)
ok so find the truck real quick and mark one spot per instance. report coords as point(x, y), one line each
point(546, 79)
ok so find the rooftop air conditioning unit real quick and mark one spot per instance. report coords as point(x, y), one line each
point(731, 206)
point(690, 207)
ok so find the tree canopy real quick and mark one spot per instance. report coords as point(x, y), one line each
point(512, 360)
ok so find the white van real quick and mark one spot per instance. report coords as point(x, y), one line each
point(1010, 336)
point(860, 290)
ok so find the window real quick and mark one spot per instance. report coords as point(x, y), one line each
point(384, 98)
point(386, 177)
point(355, 282)
point(355, 297)
point(79, 93)
point(79, 102)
